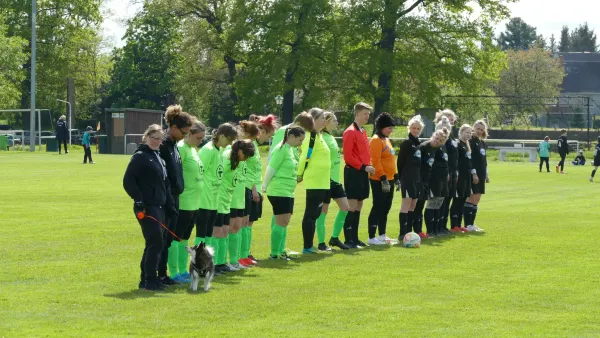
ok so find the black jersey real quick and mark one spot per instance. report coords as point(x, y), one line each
point(597, 155)
point(563, 146)
point(427, 160)
point(464, 160)
point(452, 151)
point(440, 171)
point(409, 160)
point(478, 158)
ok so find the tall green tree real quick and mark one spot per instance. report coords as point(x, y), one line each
point(552, 44)
point(565, 40)
point(146, 69)
point(583, 39)
point(12, 56)
point(518, 35)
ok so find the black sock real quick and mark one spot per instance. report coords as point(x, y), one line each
point(468, 214)
point(429, 216)
point(593, 172)
point(372, 230)
point(355, 225)
point(437, 220)
point(475, 208)
point(403, 224)
point(409, 221)
point(348, 227)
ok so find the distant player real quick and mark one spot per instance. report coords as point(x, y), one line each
point(544, 151)
point(579, 159)
point(596, 160)
point(563, 150)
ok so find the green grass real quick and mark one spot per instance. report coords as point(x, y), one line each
point(70, 250)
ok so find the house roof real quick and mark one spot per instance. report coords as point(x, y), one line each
point(583, 72)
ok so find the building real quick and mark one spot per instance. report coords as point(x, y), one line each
point(125, 126)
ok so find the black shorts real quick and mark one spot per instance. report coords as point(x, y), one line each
point(336, 190)
point(222, 219)
point(479, 188)
point(463, 186)
point(438, 188)
point(596, 163)
point(237, 213)
point(410, 189)
point(282, 205)
point(253, 209)
point(356, 183)
point(424, 192)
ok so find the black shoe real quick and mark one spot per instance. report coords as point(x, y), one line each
point(361, 243)
point(338, 243)
point(168, 281)
point(222, 268)
point(323, 247)
point(351, 245)
point(142, 284)
point(252, 258)
point(154, 286)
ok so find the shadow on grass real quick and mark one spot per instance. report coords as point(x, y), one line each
point(137, 293)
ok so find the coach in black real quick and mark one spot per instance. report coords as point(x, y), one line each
point(179, 124)
point(563, 150)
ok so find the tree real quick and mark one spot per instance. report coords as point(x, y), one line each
point(518, 35)
point(532, 79)
point(11, 73)
point(583, 39)
point(552, 44)
point(147, 67)
point(540, 42)
point(565, 40)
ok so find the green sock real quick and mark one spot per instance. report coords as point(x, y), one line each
point(211, 241)
point(217, 248)
point(276, 238)
point(222, 250)
point(272, 222)
point(183, 257)
point(239, 245)
point(249, 240)
point(233, 247)
point(283, 240)
point(321, 228)
point(199, 240)
point(338, 224)
point(244, 249)
point(172, 262)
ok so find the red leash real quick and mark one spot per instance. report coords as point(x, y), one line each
point(141, 215)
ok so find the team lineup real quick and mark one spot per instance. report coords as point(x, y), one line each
point(219, 188)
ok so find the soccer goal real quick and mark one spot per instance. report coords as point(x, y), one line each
point(25, 134)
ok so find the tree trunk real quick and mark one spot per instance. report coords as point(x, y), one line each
point(386, 60)
point(232, 73)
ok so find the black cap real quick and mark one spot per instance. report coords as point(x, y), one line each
point(384, 120)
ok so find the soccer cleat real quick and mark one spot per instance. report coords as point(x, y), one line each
point(222, 268)
point(289, 253)
point(309, 251)
point(338, 243)
point(455, 230)
point(249, 261)
point(238, 266)
point(179, 279)
point(92, 162)
point(431, 234)
point(423, 235)
point(591, 179)
point(253, 259)
point(154, 286)
point(361, 244)
point(231, 267)
point(286, 257)
point(141, 284)
point(186, 275)
point(323, 247)
point(168, 281)
point(376, 241)
point(470, 228)
point(351, 245)
point(562, 172)
point(463, 229)
point(273, 257)
point(384, 238)
point(476, 228)
point(244, 264)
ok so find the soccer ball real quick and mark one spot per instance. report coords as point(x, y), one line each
point(411, 240)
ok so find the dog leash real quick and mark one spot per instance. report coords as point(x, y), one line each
point(141, 215)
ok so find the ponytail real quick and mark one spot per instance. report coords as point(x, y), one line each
point(175, 116)
point(294, 130)
point(227, 130)
point(247, 149)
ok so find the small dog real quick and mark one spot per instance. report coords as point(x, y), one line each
point(201, 265)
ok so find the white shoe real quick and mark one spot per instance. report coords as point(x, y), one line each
point(471, 228)
point(478, 229)
point(591, 179)
point(232, 267)
point(375, 241)
point(239, 266)
point(384, 238)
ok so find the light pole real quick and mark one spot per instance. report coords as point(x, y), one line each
point(279, 101)
point(68, 106)
point(33, 76)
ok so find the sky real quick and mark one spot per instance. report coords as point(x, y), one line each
point(548, 16)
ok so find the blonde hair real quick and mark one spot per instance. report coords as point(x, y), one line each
point(62, 118)
point(443, 123)
point(416, 119)
point(444, 132)
point(444, 113)
point(460, 132)
point(152, 129)
point(362, 106)
point(485, 128)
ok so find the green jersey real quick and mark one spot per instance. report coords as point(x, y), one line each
point(254, 170)
point(278, 138)
point(212, 161)
point(334, 154)
point(230, 181)
point(192, 177)
point(285, 165)
point(238, 201)
point(315, 165)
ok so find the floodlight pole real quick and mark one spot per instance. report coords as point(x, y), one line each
point(33, 80)
point(68, 106)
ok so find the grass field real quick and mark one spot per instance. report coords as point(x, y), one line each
point(70, 250)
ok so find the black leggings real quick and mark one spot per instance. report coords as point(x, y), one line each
point(314, 205)
point(171, 223)
point(382, 203)
point(445, 209)
point(62, 142)
point(418, 216)
point(153, 236)
point(87, 154)
point(205, 222)
point(562, 161)
point(185, 224)
point(456, 211)
point(542, 160)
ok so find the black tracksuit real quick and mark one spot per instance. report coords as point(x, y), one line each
point(62, 134)
point(452, 150)
point(427, 160)
point(409, 169)
point(170, 154)
point(463, 184)
point(145, 181)
point(479, 163)
point(563, 151)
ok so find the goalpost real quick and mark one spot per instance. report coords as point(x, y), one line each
point(31, 137)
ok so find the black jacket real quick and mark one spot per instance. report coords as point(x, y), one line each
point(427, 160)
point(464, 160)
point(478, 156)
point(62, 131)
point(170, 154)
point(439, 171)
point(409, 160)
point(597, 154)
point(145, 179)
point(563, 146)
point(452, 150)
